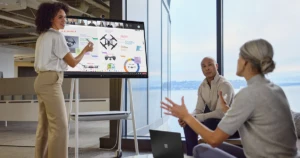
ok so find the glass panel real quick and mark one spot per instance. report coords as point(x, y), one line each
point(154, 58)
point(139, 86)
point(193, 37)
point(165, 52)
point(277, 24)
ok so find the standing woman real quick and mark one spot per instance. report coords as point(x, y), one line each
point(52, 57)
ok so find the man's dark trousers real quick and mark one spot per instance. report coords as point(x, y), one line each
point(191, 138)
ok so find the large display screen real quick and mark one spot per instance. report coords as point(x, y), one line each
point(119, 48)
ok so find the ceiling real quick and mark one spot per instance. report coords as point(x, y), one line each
point(17, 26)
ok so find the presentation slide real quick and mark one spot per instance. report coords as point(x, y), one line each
point(119, 48)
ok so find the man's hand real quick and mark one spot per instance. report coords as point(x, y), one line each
point(181, 123)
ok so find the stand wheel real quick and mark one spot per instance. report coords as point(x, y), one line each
point(118, 153)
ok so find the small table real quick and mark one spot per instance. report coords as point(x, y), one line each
point(151, 156)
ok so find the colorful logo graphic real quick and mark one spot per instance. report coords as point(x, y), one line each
point(131, 66)
point(138, 48)
point(137, 60)
point(110, 66)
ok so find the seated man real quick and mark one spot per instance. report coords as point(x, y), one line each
point(208, 109)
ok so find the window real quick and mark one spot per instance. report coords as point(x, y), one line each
point(277, 24)
point(147, 94)
point(193, 37)
point(165, 52)
point(139, 86)
point(154, 58)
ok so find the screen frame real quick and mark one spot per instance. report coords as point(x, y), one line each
point(78, 74)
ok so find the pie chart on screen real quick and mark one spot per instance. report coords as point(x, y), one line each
point(131, 66)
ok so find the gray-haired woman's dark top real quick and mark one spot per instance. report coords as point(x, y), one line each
point(263, 117)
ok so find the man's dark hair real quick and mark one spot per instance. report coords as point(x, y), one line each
point(45, 13)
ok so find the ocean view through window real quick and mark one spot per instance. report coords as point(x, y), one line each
point(194, 37)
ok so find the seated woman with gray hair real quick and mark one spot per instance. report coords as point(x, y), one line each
point(260, 112)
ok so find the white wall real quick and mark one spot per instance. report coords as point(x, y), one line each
point(7, 64)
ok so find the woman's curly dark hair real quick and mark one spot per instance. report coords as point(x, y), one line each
point(45, 13)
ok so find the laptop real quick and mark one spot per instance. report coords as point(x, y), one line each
point(166, 144)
